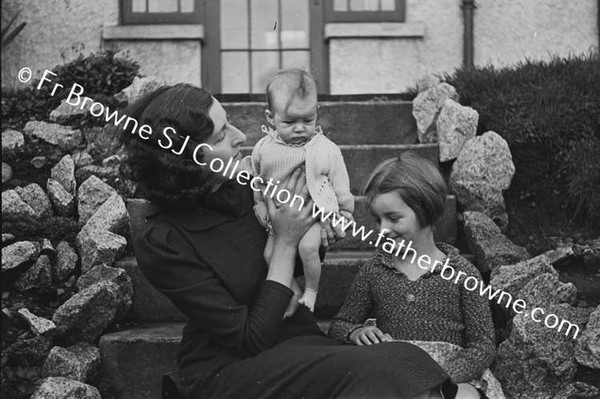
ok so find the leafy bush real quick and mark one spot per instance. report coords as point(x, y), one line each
point(101, 75)
point(549, 114)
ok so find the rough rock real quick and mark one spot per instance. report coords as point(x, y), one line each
point(138, 88)
point(38, 325)
point(64, 173)
point(38, 276)
point(590, 253)
point(112, 161)
point(7, 172)
point(80, 362)
point(587, 349)
point(64, 137)
point(103, 172)
point(547, 289)
point(66, 261)
point(513, 278)
point(536, 360)
point(7, 239)
point(490, 247)
point(455, 125)
point(112, 274)
point(14, 206)
point(81, 159)
point(426, 108)
point(62, 201)
point(112, 215)
point(427, 82)
point(48, 249)
point(32, 350)
point(12, 140)
point(559, 254)
point(86, 315)
point(34, 196)
point(66, 113)
point(65, 388)
point(481, 171)
point(99, 247)
point(39, 161)
point(18, 254)
point(91, 195)
point(578, 390)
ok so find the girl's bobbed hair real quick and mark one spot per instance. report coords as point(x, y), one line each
point(162, 176)
point(418, 182)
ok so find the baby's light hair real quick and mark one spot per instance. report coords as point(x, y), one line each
point(293, 82)
point(417, 181)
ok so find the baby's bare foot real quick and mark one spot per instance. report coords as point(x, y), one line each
point(308, 299)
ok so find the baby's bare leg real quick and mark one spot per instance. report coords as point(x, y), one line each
point(309, 253)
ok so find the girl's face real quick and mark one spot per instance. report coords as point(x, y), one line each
point(226, 140)
point(394, 218)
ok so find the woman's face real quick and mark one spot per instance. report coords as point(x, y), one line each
point(395, 219)
point(226, 140)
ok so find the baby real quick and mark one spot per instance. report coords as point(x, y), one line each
point(294, 141)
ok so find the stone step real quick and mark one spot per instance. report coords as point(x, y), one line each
point(135, 360)
point(350, 122)
point(361, 160)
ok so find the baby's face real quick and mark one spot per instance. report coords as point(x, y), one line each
point(296, 124)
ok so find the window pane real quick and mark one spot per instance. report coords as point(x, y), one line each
point(187, 5)
point(234, 70)
point(264, 65)
point(264, 24)
point(340, 5)
point(388, 5)
point(364, 5)
point(162, 5)
point(234, 24)
point(296, 59)
point(138, 6)
point(294, 24)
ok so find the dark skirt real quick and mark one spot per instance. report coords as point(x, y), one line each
point(308, 364)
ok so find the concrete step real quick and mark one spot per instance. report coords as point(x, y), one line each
point(351, 122)
point(134, 360)
point(361, 160)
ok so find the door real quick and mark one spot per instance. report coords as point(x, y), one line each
point(248, 41)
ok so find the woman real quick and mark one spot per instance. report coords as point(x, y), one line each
point(203, 248)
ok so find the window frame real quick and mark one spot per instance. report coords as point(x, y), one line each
point(398, 15)
point(128, 17)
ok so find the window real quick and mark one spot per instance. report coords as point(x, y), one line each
point(161, 12)
point(365, 10)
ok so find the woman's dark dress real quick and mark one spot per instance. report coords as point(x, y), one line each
point(209, 262)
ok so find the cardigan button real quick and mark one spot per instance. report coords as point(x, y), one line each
point(410, 298)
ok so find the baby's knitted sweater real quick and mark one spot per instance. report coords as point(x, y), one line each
point(428, 309)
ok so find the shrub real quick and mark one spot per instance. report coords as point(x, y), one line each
point(101, 74)
point(549, 114)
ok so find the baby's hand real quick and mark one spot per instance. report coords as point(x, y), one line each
point(369, 335)
point(262, 215)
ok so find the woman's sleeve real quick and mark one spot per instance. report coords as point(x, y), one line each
point(479, 349)
point(172, 267)
point(356, 308)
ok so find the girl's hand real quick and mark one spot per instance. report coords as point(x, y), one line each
point(288, 223)
point(369, 335)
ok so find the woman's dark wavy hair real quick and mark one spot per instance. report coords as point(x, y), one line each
point(163, 177)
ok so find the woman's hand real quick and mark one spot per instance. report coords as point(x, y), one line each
point(369, 335)
point(289, 224)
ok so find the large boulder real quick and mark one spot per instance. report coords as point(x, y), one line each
point(34, 196)
point(427, 82)
point(98, 247)
point(66, 113)
point(38, 276)
point(7, 172)
point(13, 206)
point(546, 289)
point(62, 201)
point(80, 362)
point(66, 262)
point(112, 216)
point(426, 108)
point(64, 173)
point(513, 278)
point(64, 137)
point(455, 125)
point(19, 254)
point(482, 170)
point(490, 247)
point(587, 349)
point(138, 88)
point(90, 196)
point(112, 274)
point(87, 314)
point(537, 361)
point(578, 390)
point(12, 140)
point(38, 325)
point(65, 388)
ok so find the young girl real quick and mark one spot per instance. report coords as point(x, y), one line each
point(294, 141)
point(409, 300)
